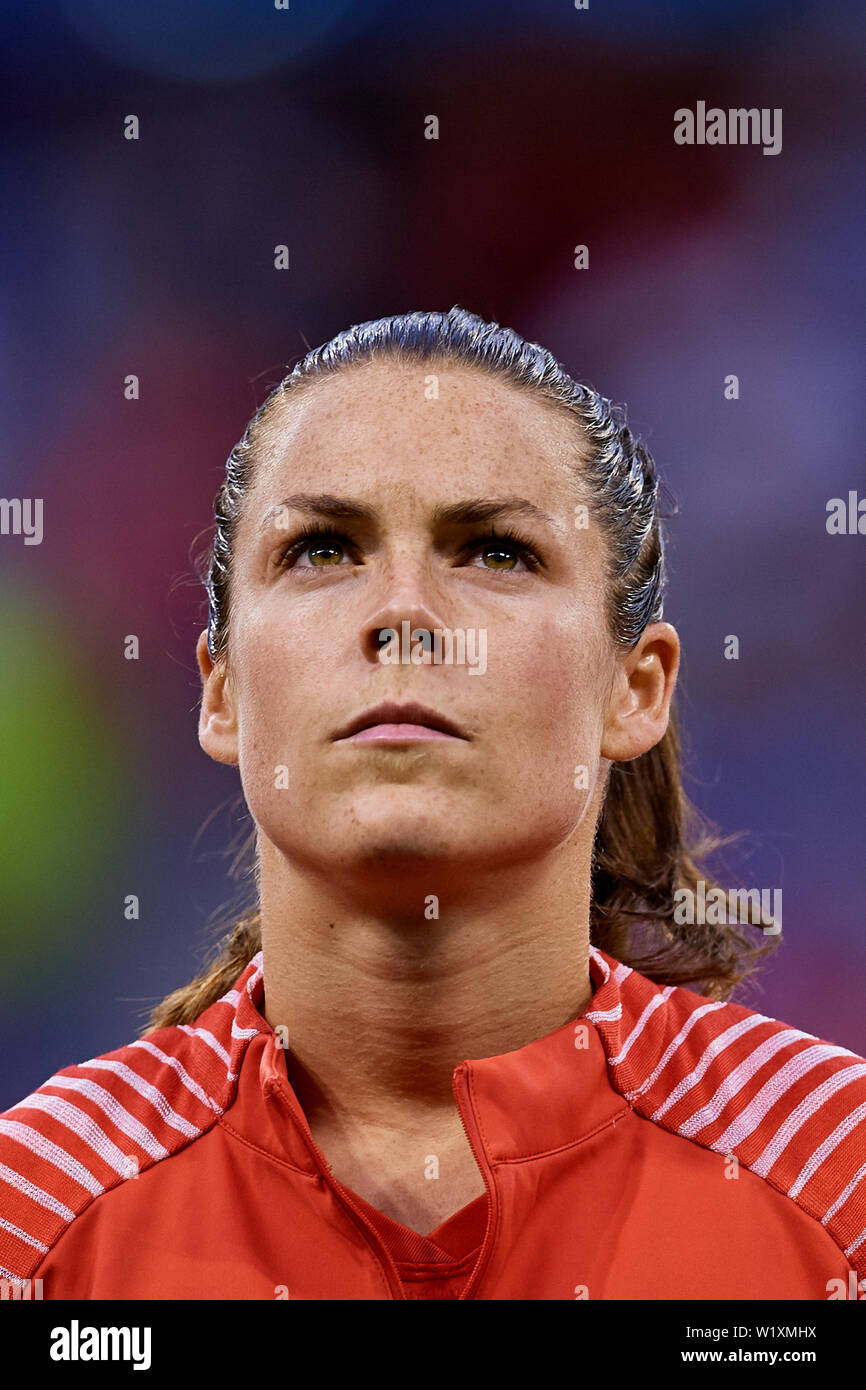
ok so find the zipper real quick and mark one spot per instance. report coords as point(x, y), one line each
point(372, 1235)
point(369, 1231)
point(460, 1087)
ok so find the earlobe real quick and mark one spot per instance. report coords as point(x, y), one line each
point(217, 724)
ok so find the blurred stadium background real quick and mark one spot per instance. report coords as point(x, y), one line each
point(305, 127)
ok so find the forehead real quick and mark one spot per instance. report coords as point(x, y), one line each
point(431, 425)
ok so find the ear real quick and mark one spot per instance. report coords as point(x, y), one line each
point(217, 722)
point(638, 708)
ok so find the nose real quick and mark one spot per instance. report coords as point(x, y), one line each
point(410, 599)
point(403, 626)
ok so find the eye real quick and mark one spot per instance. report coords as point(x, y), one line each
point(325, 549)
point(506, 547)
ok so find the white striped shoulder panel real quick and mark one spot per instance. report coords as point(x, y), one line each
point(93, 1125)
point(789, 1106)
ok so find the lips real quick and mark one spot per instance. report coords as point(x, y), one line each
point(390, 713)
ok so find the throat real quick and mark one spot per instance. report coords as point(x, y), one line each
point(420, 1179)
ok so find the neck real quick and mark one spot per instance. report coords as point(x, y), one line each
point(381, 1004)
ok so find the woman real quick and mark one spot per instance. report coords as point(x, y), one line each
point(455, 1051)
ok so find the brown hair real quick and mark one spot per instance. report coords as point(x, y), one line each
point(650, 840)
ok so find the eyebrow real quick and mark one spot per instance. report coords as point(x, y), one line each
point(473, 510)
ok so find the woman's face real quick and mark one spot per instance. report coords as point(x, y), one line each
point(304, 654)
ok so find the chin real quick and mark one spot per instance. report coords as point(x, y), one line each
point(400, 844)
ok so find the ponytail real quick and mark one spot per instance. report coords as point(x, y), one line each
point(233, 955)
point(650, 844)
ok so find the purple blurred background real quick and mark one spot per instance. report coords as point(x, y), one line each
point(155, 257)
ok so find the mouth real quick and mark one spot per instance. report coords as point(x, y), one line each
point(395, 723)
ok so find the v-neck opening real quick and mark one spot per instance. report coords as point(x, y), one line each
point(446, 1248)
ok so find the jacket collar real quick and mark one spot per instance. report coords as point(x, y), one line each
point(549, 1094)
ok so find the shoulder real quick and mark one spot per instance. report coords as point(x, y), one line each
point(93, 1125)
point(789, 1106)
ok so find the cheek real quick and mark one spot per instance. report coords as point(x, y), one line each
point(549, 691)
point(554, 681)
point(273, 692)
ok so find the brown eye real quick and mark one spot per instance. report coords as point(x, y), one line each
point(503, 551)
point(321, 549)
point(325, 549)
point(500, 552)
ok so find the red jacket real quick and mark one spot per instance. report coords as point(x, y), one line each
point(661, 1146)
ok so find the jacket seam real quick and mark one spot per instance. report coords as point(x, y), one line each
point(318, 1180)
point(484, 1261)
point(609, 1123)
point(266, 1153)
